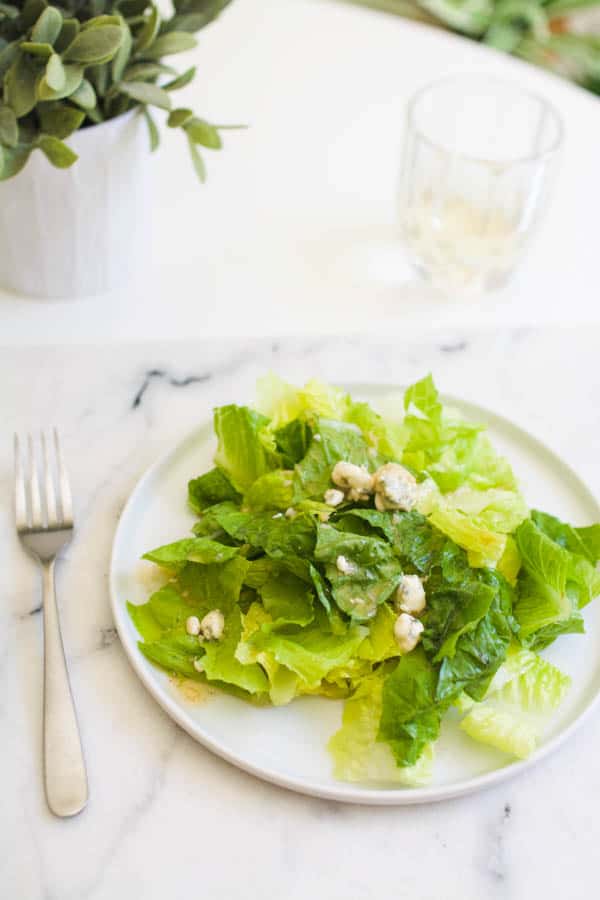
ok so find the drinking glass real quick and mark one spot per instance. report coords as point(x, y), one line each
point(477, 166)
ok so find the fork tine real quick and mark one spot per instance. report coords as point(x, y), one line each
point(34, 487)
point(66, 501)
point(20, 496)
point(49, 485)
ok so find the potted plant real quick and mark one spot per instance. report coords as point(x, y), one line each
point(78, 81)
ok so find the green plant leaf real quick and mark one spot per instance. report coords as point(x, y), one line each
point(179, 117)
point(84, 96)
point(149, 31)
point(197, 161)
point(56, 151)
point(9, 131)
point(13, 160)
point(73, 78)
point(100, 77)
point(9, 11)
point(170, 43)
point(201, 132)
point(43, 50)
point(55, 73)
point(68, 33)
point(146, 93)
point(7, 57)
point(123, 53)
point(95, 115)
point(95, 45)
point(20, 84)
point(48, 26)
point(100, 21)
point(59, 119)
point(32, 10)
point(152, 130)
point(181, 81)
point(145, 71)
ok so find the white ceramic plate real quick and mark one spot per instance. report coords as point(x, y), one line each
point(287, 745)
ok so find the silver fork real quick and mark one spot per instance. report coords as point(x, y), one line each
point(45, 526)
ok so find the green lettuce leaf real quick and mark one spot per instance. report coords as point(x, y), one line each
point(487, 544)
point(331, 442)
point(411, 712)
point(516, 708)
point(582, 541)
point(452, 611)
point(380, 643)
point(144, 620)
point(282, 402)
point(476, 499)
point(377, 570)
point(386, 437)
point(287, 600)
point(175, 653)
point(359, 756)
point(215, 586)
point(293, 441)
point(480, 651)
point(210, 488)
point(221, 664)
point(271, 491)
point(289, 540)
point(499, 729)
point(311, 652)
point(246, 449)
point(197, 550)
point(554, 582)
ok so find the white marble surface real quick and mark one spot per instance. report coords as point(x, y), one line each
point(167, 819)
point(294, 233)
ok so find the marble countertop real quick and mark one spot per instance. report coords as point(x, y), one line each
point(295, 230)
point(166, 819)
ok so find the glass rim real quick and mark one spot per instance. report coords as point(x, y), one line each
point(481, 160)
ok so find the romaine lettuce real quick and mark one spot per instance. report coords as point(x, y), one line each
point(359, 756)
point(515, 710)
point(307, 590)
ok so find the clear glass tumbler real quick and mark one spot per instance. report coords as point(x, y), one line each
point(477, 166)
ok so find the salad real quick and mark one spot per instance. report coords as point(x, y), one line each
point(386, 560)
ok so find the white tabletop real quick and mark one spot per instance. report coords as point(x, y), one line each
point(294, 232)
point(166, 819)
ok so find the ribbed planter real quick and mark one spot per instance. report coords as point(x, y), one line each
point(68, 233)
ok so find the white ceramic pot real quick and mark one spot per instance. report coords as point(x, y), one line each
point(73, 232)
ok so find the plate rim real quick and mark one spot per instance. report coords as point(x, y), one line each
point(346, 792)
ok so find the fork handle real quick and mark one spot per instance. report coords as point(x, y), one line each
point(65, 778)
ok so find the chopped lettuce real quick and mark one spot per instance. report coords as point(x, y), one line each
point(359, 756)
point(311, 652)
point(210, 488)
point(246, 450)
point(308, 590)
point(198, 550)
point(271, 491)
point(288, 600)
point(555, 581)
point(220, 662)
point(367, 576)
point(331, 442)
point(515, 710)
point(410, 713)
point(283, 403)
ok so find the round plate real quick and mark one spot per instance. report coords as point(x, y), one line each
point(287, 745)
